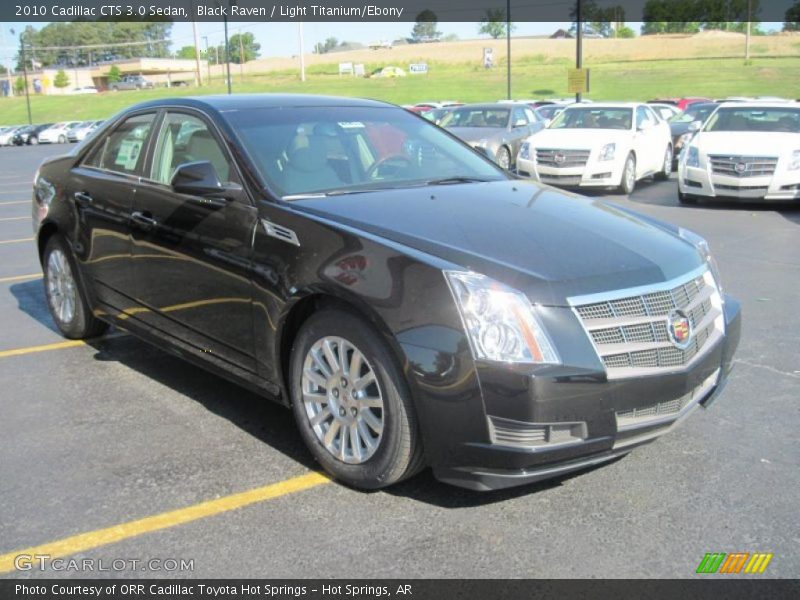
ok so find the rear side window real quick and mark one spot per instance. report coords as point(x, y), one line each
point(122, 150)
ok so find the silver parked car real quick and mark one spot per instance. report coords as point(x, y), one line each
point(497, 128)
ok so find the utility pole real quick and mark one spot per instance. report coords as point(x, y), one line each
point(508, 48)
point(8, 61)
point(24, 72)
point(302, 58)
point(747, 36)
point(208, 60)
point(241, 56)
point(196, 48)
point(579, 44)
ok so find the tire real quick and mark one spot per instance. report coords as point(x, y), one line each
point(33, 141)
point(628, 180)
point(686, 198)
point(666, 167)
point(62, 139)
point(380, 456)
point(503, 158)
point(65, 298)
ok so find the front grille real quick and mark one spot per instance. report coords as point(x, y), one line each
point(631, 332)
point(560, 179)
point(743, 166)
point(554, 157)
point(742, 188)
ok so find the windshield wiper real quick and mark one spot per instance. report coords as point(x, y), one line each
point(458, 179)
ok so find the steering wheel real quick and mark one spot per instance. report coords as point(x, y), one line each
point(381, 161)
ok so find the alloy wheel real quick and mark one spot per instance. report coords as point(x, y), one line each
point(61, 290)
point(342, 399)
point(504, 158)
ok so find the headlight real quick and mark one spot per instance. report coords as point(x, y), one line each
point(500, 322)
point(607, 152)
point(794, 164)
point(704, 249)
point(692, 157)
point(525, 151)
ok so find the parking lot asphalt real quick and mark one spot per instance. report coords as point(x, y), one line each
point(97, 438)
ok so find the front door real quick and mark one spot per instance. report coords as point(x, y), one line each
point(192, 254)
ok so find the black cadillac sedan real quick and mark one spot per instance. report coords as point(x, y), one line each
point(413, 303)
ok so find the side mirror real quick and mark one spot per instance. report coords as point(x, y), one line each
point(200, 179)
point(695, 126)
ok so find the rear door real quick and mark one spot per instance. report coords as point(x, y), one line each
point(103, 186)
point(193, 254)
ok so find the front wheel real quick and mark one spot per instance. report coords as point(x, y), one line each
point(504, 158)
point(351, 402)
point(66, 302)
point(33, 140)
point(62, 139)
point(628, 180)
point(666, 167)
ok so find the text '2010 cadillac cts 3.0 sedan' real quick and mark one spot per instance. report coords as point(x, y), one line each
point(409, 300)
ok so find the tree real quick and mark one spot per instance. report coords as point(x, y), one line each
point(114, 74)
point(425, 26)
point(792, 17)
point(61, 80)
point(19, 86)
point(245, 42)
point(326, 46)
point(494, 23)
point(625, 32)
point(187, 52)
point(597, 20)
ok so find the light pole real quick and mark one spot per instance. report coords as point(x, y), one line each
point(8, 62)
point(579, 44)
point(508, 47)
point(208, 60)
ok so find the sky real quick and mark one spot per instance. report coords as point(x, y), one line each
point(281, 39)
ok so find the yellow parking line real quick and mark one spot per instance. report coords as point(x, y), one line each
point(20, 277)
point(101, 537)
point(16, 202)
point(15, 219)
point(18, 241)
point(42, 348)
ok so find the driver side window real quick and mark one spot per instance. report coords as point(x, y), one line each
point(185, 138)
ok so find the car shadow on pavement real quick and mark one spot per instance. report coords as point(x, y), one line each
point(261, 418)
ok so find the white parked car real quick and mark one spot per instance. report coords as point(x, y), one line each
point(57, 134)
point(82, 130)
point(745, 150)
point(87, 89)
point(7, 133)
point(599, 145)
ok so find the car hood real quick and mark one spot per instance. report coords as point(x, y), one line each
point(546, 242)
point(579, 139)
point(747, 143)
point(475, 134)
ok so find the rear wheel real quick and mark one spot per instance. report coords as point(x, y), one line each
point(62, 139)
point(504, 157)
point(66, 302)
point(351, 402)
point(628, 181)
point(33, 140)
point(666, 167)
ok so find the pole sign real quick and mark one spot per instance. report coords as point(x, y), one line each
point(578, 81)
point(418, 68)
point(346, 68)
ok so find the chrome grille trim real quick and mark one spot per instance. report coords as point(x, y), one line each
point(755, 166)
point(572, 158)
point(508, 432)
point(629, 329)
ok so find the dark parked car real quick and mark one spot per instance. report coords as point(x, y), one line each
point(681, 127)
point(29, 136)
point(497, 128)
point(411, 302)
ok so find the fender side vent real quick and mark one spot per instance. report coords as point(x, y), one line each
point(282, 233)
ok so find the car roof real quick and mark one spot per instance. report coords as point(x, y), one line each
point(485, 105)
point(223, 103)
point(751, 104)
point(601, 105)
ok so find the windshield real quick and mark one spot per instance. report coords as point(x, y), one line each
point(337, 150)
point(494, 118)
point(785, 120)
point(694, 113)
point(549, 111)
point(593, 118)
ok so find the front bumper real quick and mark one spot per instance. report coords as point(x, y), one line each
point(600, 174)
point(701, 182)
point(583, 415)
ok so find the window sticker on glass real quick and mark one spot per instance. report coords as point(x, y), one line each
point(128, 154)
point(351, 125)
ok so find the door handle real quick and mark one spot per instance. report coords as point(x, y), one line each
point(83, 197)
point(144, 219)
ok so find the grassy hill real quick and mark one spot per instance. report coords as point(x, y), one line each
point(638, 69)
